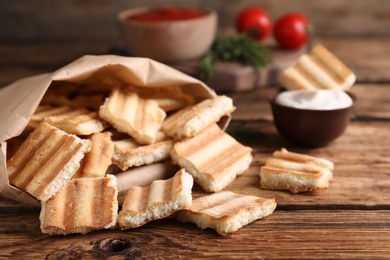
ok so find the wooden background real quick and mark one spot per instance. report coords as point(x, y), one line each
point(350, 220)
point(90, 27)
point(95, 20)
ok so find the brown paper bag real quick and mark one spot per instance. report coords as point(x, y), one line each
point(19, 100)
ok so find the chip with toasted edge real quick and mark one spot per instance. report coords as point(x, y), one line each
point(78, 121)
point(225, 211)
point(44, 111)
point(192, 120)
point(170, 104)
point(128, 153)
point(159, 200)
point(295, 172)
point(97, 161)
point(213, 158)
point(83, 205)
point(169, 99)
point(320, 69)
point(128, 113)
point(45, 161)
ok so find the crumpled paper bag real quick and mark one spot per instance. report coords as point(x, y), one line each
point(19, 100)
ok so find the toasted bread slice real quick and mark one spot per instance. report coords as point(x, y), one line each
point(44, 111)
point(190, 121)
point(213, 158)
point(295, 172)
point(159, 200)
point(46, 160)
point(128, 153)
point(78, 121)
point(128, 113)
point(82, 206)
point(170, 104)
point(319, 69)
point(225, 211)
point(169, 99)
point(97, 161)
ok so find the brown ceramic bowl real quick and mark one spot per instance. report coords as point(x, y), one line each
point(309, 128)
point(168, 41)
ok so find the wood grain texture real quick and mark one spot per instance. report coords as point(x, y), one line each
point(285, 234)
point(27, 59)
point(367, 57)
point(22, 60)
point(96, 21)
point(350, 220)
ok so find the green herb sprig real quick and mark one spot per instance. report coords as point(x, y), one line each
point(239, 48)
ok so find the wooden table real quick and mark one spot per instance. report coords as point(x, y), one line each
point(351, 219)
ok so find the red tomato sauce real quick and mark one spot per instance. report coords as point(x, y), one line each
point(167, 14)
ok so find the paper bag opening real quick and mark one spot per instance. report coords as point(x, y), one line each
point(19, 100)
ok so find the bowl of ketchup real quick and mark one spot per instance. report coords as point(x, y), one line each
point(168, 34)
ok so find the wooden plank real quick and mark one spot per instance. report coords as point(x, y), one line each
point(367, 57)
point(11, 74)
point(96, 21)
point(285, 234)
point(50, 55)
point(371, 65)
point(361, 158)
point(373, 101)
point(24, 60)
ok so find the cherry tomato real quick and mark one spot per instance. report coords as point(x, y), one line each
point(291, 30)
point(255, 22)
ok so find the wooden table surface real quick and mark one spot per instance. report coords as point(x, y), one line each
point(351, 219)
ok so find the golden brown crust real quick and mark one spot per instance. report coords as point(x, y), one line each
point(46, 160)
point(212, 157)
point(97, 161)
point(129, 153)
point(295, 172)
point(78, 121)
point(160, 199)
point(319, 69)
point(226, 212)
point(192, 120)
point(128, 113)
point(82, 206)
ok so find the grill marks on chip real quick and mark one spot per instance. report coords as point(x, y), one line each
point(97, 161)
point(159, 200)
point(225, 211)
point(194, 119)
point(83, 205)
point(69, 174)
point(78, 121)
point(213, 157)
point(128, 113)
point(45, 162)
point(295, 172)
point(128, 153)
point(320, 69)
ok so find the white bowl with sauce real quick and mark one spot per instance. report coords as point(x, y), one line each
point(311, 119)
point(168, 34)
